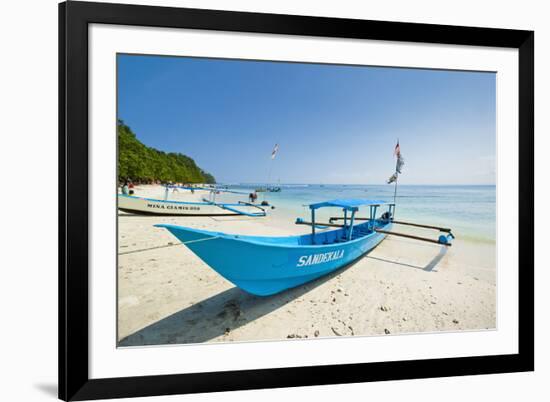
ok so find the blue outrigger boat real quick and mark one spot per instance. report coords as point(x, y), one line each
point(267, 265)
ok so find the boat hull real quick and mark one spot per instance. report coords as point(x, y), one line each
point(265, 266)
point(148, 206)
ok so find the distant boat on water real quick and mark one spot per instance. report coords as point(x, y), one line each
point(268, 189)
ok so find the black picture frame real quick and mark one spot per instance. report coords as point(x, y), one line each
point(74, 18)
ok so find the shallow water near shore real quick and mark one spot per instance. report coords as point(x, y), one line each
point(470, 211)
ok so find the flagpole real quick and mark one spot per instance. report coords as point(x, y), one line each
point(269, 172)
point(268, 178)
point(396, 178)
point(395, 193)
point(273, 153)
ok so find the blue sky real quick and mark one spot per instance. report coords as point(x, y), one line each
point(334, 124)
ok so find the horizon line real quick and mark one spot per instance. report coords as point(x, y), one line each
point(357, 184)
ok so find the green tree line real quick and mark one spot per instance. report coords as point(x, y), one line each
point(141, 163)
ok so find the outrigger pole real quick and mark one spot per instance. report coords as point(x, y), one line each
point(419, 225)
point(444, 240)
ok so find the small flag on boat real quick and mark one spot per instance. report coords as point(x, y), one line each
point(274, 152)
point(392, 178)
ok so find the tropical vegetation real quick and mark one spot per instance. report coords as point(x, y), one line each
point(140, 163)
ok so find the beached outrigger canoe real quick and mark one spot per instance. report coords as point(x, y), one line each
point(206, 207)
point(264, 265)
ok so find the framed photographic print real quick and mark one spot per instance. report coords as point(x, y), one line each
point(257, 200)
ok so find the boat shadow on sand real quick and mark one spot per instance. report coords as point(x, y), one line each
point(217, 315)
point(231, 309)
point(429, 267)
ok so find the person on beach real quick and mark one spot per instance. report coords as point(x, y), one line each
point(125, 190)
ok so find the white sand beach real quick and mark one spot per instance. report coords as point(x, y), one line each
point(166, 295)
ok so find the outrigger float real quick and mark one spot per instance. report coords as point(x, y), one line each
point(208, 207)
point(264, 265)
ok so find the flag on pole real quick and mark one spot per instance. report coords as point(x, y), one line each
point(274, 152)
point(397, 150)
point(398, 164)
point(400, 161)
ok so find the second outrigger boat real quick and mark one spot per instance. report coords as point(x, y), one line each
point(205, 207)
point(264, 265)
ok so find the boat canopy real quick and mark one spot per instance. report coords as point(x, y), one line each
point(349, 204)
point(221, 190)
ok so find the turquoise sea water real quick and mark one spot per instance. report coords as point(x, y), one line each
point(469, 210)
